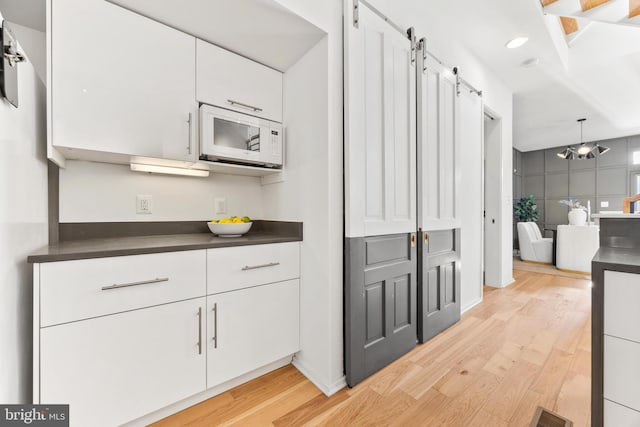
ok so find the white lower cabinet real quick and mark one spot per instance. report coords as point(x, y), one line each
point(620, 416)
point(250, 328)
point(119, 338)
point(116, 368)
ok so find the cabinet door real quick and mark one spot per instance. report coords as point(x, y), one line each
point(380, 137)
point(250, 328)
point(114, 369)
point(437, 151)
point(231, 81)
point(121, 83)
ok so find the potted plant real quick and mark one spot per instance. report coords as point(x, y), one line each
point(526, 209)
point(577, 214)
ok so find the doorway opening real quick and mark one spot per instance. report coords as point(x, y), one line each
point(493, 221)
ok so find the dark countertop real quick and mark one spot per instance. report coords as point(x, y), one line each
point(136, 245)
point(618, 259)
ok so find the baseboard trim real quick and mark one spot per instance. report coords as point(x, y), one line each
point(470, 306)
point(536, 262)
point(208, 394)
point(509, 281)
point(585, 273)
point(328, 390)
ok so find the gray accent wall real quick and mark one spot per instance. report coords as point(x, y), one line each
point(606, 179)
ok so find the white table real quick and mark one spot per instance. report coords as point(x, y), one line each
point(575, 247)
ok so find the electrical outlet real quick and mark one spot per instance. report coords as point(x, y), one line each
point(604, 204)
point(144, 204)
point(220, 204)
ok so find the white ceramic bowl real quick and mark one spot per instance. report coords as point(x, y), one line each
point(229, 230)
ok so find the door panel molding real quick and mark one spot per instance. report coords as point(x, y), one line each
point(380, 305)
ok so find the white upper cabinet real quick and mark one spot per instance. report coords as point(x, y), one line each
point(120, 83)
point(231, 81)
point(380, 132)
point(438, 173)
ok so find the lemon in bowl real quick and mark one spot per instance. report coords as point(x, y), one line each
point(230, 227)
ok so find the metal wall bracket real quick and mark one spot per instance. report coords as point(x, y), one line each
point(8, 64)
point(356, 13)
point(422, 46)
point(457, 74)
point(411, 33)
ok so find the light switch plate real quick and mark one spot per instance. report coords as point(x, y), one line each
point(220, 204)
point(144, 204)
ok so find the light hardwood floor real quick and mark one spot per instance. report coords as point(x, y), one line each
point(526, 345)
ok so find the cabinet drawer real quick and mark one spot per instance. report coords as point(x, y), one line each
point(231, 81)
point(74, 290)
point(235, 268)
point(621, 300)
point(622, 372)
point(619, 416)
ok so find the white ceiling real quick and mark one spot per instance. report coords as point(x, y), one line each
point(597, 76)
point(261, 30)
point(28, 13)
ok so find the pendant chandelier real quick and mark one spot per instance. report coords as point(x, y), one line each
point(584, 151)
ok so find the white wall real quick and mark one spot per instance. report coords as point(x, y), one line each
point(23, 228)
point(313, 109)
point(101, 192)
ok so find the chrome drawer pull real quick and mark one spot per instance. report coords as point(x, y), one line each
point(126, 285)
point(255, 267)
point(199, 330)
point(215, 325)
point(189, 146)
point(243, 105)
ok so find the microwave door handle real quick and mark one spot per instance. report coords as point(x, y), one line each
point(243, 105)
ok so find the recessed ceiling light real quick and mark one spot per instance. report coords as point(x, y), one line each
point(531, 62)
point(517, 42)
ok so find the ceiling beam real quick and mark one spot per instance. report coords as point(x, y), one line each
point(591, 4)
point(569, 25)
point(634, 8)
point(622, 12)
point(547, 2)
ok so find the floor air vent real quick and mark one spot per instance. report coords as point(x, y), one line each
point(546, 418)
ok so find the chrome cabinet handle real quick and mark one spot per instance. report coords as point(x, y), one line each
point(243, 105)
point(255, 267)
point(126, 285)
point(215, 325)
point(199, 330)
point(189, 145)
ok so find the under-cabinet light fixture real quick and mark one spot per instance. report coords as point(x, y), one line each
point(138, 167)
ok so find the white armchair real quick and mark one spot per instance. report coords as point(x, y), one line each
point(534, 247)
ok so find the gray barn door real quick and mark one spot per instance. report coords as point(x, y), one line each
point(380, 302)
point(439, 291)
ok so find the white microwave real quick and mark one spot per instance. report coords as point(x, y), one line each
point(234, 137)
